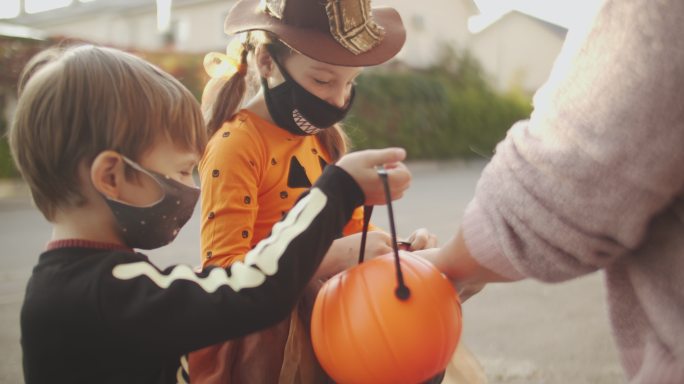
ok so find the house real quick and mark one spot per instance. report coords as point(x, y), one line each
point(516, 50)
point(194, 25)
point(431, 25)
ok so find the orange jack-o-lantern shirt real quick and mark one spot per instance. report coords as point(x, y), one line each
point(251, 175)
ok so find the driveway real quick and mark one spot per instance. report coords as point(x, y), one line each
point(524, 332)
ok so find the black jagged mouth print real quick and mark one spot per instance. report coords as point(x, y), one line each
point(304, 124)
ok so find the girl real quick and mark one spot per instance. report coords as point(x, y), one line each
point(307, 54)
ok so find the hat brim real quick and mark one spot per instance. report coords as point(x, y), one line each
point(318, 45)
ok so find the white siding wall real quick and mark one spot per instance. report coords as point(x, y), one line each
point(203, 24)
point(430, 24)
point(517, 51)
point(198, 28)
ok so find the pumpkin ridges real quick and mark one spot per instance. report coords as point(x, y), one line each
point(377, 317)
point(325, 297)
point(413, 276)
point(402, 307)
point(343, 293)
point(440, 310)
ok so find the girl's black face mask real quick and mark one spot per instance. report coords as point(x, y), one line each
point(299, 111)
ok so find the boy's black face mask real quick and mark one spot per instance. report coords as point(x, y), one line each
point(299, 111)
point(157, 224)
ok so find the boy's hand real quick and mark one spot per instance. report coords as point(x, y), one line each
point(361, 166)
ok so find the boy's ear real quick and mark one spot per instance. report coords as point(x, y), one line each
point(264, 62)
point(108, 173)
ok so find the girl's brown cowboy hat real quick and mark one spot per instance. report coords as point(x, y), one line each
point(338, 32)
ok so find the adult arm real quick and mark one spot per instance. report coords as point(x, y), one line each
point(575, 188)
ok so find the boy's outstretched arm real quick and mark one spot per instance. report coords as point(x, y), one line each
point(177, 310)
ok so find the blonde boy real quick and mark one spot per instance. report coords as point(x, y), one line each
point(107, 144)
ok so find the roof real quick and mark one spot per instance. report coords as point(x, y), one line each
point(19, 31)
point(79, 11)
point(558, 29)
point(480, 23)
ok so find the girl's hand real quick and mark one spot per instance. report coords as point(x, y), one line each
point(421, 238)
point(344, 252)
point(362, 165)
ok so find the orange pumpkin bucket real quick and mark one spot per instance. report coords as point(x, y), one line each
point(393, 319)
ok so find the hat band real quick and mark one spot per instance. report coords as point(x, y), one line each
point(352, 25)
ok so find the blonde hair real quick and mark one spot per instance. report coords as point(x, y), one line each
point(224, 97)
point(75, 102)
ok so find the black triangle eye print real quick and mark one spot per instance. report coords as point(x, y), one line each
point(322, 162)
point(297, 177)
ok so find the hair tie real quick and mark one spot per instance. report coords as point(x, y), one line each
point(234, 61)
point(242, 69)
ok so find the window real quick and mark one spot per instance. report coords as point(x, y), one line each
point(35, 6)
point(418, 23)
point(9, 9)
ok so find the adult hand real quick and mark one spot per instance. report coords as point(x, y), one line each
point(362, 165)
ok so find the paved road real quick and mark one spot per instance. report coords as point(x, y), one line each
point(523, 332)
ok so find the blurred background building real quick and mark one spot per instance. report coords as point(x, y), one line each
point(514, 49)
point(494, 47)
point(466, 73)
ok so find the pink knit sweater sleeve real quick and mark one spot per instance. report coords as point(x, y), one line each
point(575, 188)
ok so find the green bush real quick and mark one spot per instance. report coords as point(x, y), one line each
point(16, 52)
point(443, 112)
point(7, 168)
point(188, 68)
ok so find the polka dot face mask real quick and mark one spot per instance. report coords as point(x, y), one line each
point(157, 224)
